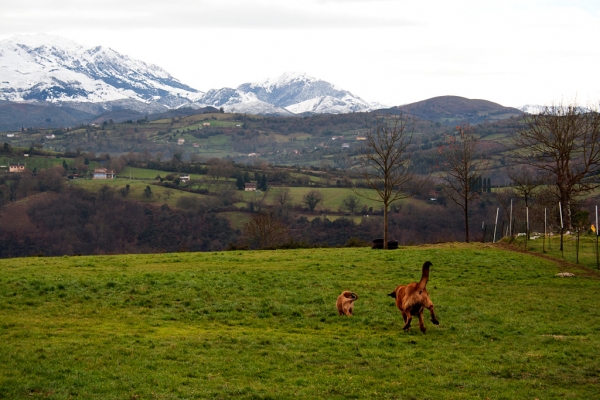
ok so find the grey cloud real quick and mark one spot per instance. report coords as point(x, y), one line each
point(46, 15)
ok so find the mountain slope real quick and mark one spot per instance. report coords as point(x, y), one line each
point(14, 116)
point(49, 68)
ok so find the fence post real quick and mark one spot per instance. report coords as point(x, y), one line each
point(496, 224)
point(597, 258)
point(577, 248)
point(527, 229)
point(562, 247)
point(544, 241)
point(483, 230)
point(510, 220)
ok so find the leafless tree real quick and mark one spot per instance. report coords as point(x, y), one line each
point(525, 183)
point(563, 143)
point(265, 230)
point(384, 163)
point(461, 168)
point(283, 196)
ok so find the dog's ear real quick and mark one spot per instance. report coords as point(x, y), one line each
point(393, 294)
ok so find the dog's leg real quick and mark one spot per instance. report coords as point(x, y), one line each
point(407, 324)
point(433, 318)
point(404, 317)
point(421, 322)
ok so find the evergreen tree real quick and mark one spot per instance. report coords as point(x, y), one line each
point(263, 183)
point(241, 185)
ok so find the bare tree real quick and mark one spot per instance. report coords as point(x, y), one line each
point(351, 203)
point(283, 196)
point(461, 169)
point(384, 164)
point(562, 142)
point(525, 183)
point(312, 198)
point(265, 230)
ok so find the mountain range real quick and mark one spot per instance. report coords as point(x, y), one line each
point(52, 69)
point(48, 81)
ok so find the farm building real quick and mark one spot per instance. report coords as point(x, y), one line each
point(19, 167)
point(250, 187)
point(103, 173)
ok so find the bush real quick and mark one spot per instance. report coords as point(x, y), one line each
point(356, 242)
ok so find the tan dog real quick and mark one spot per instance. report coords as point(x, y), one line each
point(345, 303)
point(411, 299)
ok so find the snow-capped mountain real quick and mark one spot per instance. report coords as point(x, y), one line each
point(98, 79)
point(50, 68)
point(531, 109)
point(537, 109)
point(293, 93)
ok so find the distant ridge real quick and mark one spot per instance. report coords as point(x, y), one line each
point(450, 110)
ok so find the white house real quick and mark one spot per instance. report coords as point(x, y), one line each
point(103, 173)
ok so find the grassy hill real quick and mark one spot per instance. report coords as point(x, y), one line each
point(452, 110)
point(264, 325)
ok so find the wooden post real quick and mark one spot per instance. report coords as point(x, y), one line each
point(577, 248)
point(597, 258)
point(527, 229)
point(510, 220)
point(483, 230)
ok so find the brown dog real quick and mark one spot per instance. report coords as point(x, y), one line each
point(411, 299)
point(345, 303)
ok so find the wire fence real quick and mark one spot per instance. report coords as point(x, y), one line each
point(533, 232)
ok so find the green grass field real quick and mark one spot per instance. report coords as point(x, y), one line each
point(38, 163)
point(332, 197)
point(263, 325)
point(585, 255)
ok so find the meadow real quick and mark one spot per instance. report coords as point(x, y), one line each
point(263, 324)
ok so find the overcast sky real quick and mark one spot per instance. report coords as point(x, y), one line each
point(513, 52)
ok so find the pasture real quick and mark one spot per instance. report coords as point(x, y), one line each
point(263, 324)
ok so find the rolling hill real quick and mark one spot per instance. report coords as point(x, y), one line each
point(451, 110)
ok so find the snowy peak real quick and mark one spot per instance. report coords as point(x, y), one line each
point(301, 93)
point(51, 68)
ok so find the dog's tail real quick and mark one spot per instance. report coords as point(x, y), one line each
point(392, 295)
